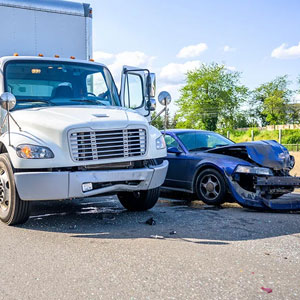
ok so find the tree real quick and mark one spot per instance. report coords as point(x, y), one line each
point(271, 100)
point(157, 122)
point(211, 98)
point(294, 113)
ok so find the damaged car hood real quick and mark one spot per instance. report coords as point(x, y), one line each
point(264, 153)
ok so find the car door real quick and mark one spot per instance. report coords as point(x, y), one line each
point(133, 91)
point(179, 165)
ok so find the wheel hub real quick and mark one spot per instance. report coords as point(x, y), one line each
point(210, 187)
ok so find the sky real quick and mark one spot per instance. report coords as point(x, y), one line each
point(260, 38)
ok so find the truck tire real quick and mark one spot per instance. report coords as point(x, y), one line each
point(139, 201)
point(13, 210)
point(211, 187)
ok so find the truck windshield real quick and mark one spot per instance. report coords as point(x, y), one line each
point(52, 83)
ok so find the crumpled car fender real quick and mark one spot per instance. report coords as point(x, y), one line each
point(224, 164)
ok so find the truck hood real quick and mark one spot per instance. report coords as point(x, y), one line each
point(55, 121)
point(66, 116)
point(264, 153)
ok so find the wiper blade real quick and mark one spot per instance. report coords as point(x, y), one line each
point(200, 148)
point(87, 100)
point(220, 145)
point(35, 100)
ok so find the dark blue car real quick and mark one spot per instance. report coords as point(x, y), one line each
point(254, 174)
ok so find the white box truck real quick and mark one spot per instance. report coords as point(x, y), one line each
point(66, 131)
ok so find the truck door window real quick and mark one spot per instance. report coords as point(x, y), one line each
point(134, 91)
point(96, 84)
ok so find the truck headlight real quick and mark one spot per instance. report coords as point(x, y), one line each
point(34, 152)
point(253, 170)
point(160, 143)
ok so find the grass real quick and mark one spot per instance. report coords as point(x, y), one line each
point(289, 136)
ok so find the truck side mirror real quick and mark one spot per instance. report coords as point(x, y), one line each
point(8, 101)
point(164, 98)
point(152, 84)
point(151, 104)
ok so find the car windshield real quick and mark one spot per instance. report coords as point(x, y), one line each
point(200, 141)
point(50, 83)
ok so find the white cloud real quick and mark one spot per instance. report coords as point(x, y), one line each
point(230, 68)
point(192, 51)
point(296, 98)
point(175, 73)
point(283, 52)
point(99, 56)
point(228, 49)
point(116, 62)
point(135, 59)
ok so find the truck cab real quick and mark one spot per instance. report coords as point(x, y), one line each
point(67, 132)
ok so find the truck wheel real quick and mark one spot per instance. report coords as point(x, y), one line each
point(211, 187)
point(13, 210)
point(139, 201)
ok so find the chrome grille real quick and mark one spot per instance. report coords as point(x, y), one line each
point(97, 145)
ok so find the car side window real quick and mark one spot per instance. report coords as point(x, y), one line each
point(171, 142)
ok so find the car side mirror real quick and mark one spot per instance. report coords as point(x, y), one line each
point(174, 150)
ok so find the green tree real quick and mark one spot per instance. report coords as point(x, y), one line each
point(211, 98)
point(270, 101)
point(294, 113)
point(174, 121)
point(157, 122)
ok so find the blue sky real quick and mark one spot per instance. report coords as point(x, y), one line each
point(153, 34)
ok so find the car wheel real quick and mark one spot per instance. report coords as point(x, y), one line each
point(13, 210)
point(211, 187)
point(139, 201)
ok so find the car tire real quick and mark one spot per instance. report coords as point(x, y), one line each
point(13, 210)
point(139, 201)
point(211, 187)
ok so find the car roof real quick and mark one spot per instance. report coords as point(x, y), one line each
point(186, 130)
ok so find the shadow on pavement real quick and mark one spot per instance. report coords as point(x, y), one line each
point(105, 218)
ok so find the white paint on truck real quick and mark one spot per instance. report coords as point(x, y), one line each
point(49, 27)
point(71, 133)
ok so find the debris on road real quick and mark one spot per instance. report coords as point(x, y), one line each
point(159, 237)
point(268, 290)
point(151, 222)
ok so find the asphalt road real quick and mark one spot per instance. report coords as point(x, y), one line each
point(94, 249)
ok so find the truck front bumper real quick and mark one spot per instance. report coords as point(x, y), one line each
point(38, 186)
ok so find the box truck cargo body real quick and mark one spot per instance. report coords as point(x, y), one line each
point(31, 27)
point(66, 130)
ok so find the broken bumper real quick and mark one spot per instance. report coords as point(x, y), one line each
point(276, 184)
point(66, 185)
point(278, 181)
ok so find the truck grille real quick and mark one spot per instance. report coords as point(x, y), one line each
point(97, 145)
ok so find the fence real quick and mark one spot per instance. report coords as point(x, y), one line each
point(274, 127)
point(292, 147)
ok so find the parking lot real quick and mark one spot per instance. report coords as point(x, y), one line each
point(94, 249)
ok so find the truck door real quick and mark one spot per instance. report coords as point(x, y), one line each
point(135, 90)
